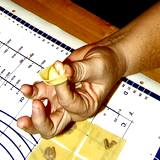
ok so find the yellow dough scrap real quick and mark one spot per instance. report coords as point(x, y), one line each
point(54, 74)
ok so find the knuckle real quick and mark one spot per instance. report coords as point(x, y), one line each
point(79, 71)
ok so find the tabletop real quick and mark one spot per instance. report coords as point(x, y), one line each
point(75, 20)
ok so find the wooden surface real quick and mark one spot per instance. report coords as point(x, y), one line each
point(75, 20)
point(70, 17)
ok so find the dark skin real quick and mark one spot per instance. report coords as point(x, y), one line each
point(92, 72)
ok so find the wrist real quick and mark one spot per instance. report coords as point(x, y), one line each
point(112, 43)
point(120, 59)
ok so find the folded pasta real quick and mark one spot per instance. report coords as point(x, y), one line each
point(53, 75)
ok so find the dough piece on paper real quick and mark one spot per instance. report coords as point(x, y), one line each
point(53, 74)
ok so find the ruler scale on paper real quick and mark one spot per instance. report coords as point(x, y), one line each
point(126, 129)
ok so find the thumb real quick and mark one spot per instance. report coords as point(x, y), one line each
point(67, 97)
point(76, 102)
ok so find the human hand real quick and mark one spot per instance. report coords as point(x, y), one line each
point(92, 72)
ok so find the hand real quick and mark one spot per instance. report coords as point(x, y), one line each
point(92, 70)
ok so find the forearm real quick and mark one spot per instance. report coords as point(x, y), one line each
point(139, 42)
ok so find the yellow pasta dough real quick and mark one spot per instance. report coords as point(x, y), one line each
point(52, 75)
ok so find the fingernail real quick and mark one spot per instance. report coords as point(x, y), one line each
point(59, 68)
point(21, 125)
